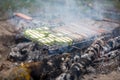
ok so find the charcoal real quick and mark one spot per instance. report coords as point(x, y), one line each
point(17, 56)
point(68, 66)
point(116, 32)
point(27, 52)
point(104, 47)
point(19, 38)
point(77, 69)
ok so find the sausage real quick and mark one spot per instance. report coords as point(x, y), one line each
point(23, 16)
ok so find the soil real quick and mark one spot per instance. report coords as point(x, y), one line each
point(114, 75)
point(7, 35)
point(7, 39)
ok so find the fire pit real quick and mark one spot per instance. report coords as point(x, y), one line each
point(63, 40)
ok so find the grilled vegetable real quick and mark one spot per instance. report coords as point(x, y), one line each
point(34, 35)
point(63, 40)
point(44, 31)
point(44, 36)
point(46, 41)
point(39, 29)
point(51, 36)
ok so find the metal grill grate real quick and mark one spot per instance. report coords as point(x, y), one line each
point(60, 38)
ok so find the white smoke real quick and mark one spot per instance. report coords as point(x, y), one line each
point(67, 11)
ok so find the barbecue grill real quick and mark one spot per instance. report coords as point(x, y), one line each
point(65, 38)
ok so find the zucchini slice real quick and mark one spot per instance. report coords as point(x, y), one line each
point(63, 40)
point(32, 34)
point(46, 41)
